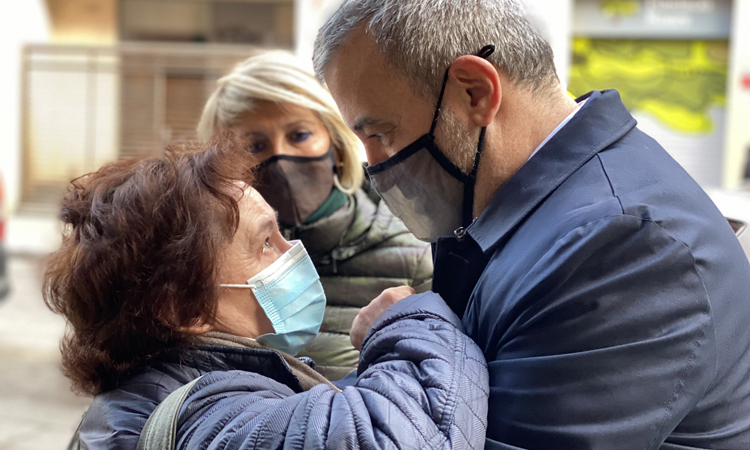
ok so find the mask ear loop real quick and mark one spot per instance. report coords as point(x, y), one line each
point(468, 209)
point(468, 203)
point(484, 53)
point(337, 169)
point(238, 286)
point(439, 105)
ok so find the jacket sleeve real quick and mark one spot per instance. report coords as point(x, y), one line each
point(609, 344)
point(422, 385)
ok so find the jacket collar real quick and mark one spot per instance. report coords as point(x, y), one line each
point(303, 370)
point(348, 223)
point(211, 357)
point(324, 235)
point(600, 123)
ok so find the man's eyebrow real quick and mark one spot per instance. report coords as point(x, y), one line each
point(363, 122)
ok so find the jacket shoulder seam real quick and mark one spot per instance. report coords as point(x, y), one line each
point(678, 389)
point(697, 343)
point(609, 181)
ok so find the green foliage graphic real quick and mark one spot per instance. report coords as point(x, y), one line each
point(677, 82)
point(614, 8)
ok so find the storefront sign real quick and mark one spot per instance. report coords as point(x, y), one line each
point(653, 19)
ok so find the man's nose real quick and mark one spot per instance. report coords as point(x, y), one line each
point(375, 154)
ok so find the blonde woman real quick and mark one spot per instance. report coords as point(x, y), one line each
point(311, 174)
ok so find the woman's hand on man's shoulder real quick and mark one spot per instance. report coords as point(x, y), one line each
point(367, 315)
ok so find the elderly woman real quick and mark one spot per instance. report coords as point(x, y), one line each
point(311, 175)
point(173, 268)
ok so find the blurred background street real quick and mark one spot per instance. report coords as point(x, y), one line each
point(37, 409)
point(86, 82)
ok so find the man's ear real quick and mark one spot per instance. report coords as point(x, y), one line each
point(476, 86)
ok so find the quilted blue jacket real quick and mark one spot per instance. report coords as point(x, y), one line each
point(422, 384)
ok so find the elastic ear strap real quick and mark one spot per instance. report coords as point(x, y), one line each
point(237, 286)
point(485, 52)
point(468, 211)
point(439, 104)
point(336, 169)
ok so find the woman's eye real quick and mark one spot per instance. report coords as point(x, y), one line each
point(300, 136)
point(266, 246)
point(256, 147)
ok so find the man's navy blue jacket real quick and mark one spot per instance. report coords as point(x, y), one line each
point(609, 296)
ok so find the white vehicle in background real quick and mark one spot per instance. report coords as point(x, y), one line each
point(740, 229)
point(735, 205)
point(4, 285)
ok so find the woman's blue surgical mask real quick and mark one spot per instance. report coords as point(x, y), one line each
point(290, 293)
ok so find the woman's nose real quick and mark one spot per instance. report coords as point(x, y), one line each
point(280, 147)
point(284, 245)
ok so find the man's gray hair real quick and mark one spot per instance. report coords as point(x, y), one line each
point(422, 38)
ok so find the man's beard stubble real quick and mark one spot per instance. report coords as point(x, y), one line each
point(457, 141)
point(460, 143)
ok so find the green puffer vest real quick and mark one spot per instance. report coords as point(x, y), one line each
point(359, 251)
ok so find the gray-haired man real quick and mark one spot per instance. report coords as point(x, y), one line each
point(608, 294)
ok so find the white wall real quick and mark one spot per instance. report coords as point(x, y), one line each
point(73, 119)
point(737, 141)
point(309, 16)
point(553, 19)
point(20, 22)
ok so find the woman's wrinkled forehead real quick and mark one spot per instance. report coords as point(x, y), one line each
point(255, 213)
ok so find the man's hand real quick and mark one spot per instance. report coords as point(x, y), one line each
point(369, 313)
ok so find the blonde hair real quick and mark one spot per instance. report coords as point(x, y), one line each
point(279, 77)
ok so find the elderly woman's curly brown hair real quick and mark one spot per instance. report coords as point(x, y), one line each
point(138, 261)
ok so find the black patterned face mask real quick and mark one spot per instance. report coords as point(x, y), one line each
point(422, 187)
point(296, 186)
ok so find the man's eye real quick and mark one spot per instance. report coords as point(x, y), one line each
point(300, 136)
point(266, 245)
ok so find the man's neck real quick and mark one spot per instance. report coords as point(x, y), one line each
point(524, 121)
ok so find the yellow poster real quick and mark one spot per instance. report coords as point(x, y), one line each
point(675, 82)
